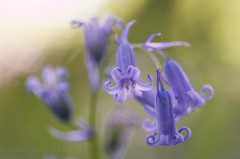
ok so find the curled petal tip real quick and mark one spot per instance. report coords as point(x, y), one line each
point(204, 90)
point(151, 139)
point(188, 135)
point(107, 83)
point(151, 37)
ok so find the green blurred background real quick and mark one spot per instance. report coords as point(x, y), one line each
point(212, 29)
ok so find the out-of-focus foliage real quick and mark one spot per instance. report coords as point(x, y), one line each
point(212, 29)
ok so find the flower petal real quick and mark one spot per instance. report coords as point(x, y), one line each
point(188, 135)
point(151, 37)
point(124, 36)
point(111, 90)
point(33, 85)
point(144, 86)
point(164, 45)
point(61, 73)
point(204, 89)
point(122, 95)
point(116, 74)
point(149, 125)
point(195, 99)
point(74, 136)
point(133, 72)
point(133, 93)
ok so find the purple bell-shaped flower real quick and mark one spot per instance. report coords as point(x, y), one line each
point(187, 97)
point(126, 74)
point(165, 133)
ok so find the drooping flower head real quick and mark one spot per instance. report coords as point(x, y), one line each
point(147, 98)
point(166, 133)
point(53, 90)
point(126, 74)
point(96, 37)
point(119, 130)
point(187, 97)
point(84, 133)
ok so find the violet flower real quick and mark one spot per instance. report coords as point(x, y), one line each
point(166, 133)
point(187, 97)
point(53, 90)
point(84, 133)
point(96, 39)
point(126, 74)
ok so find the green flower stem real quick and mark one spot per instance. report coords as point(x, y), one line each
point(93, 142)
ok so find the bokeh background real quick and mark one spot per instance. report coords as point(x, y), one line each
point(36, 33)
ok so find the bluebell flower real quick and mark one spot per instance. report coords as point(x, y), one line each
point(161, 45)
point(187, 97)
point(120, 124)
point(96, 39)
point(53, 90)
point(126, 74)
point(84, 133)
point(166, 133)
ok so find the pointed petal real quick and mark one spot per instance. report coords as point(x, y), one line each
point(144, 86)
point(73, 136)
point(149, 39)
point(111, 90)
point(124, 36)
point(164, 45)
point(116, 74)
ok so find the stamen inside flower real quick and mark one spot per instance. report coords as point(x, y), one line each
point(133, 83)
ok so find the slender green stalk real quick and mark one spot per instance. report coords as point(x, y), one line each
point(93, 143)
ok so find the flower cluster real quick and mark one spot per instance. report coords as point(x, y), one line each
point(173, 97)
point(165, 106)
